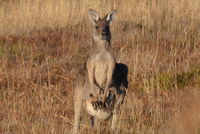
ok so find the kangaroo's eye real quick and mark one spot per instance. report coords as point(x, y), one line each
point(97, 27)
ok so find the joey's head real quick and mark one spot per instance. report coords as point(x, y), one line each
point(101, 26)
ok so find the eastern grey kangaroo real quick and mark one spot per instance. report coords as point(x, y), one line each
point(101, 63)
point(100, 73)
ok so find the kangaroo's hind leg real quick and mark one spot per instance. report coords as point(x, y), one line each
point(119, 100)
point(78, 102)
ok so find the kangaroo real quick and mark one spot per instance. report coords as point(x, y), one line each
point(101, 63)
point(100, 72)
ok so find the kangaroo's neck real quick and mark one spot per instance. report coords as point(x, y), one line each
point(101, 44)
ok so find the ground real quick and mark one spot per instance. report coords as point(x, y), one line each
point(43, 44)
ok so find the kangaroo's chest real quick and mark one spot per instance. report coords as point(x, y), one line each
point(102, 63)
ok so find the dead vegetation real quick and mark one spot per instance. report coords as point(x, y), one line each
point(42, 43)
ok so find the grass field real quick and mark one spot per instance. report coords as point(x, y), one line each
point(43, 42)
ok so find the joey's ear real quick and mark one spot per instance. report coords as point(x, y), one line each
point(93, 15)
point(111, 16)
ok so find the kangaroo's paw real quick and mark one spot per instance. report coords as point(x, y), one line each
point(94, 105)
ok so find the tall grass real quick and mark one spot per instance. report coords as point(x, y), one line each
point(42, 43)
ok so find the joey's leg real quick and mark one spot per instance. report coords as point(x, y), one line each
point(92, 121)
point(119, 100)
point(95, 124)
point(112, 94)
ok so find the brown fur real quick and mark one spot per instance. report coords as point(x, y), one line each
point(99, 74)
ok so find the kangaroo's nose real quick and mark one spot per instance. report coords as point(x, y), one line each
point(105, 29)
point(103, 33)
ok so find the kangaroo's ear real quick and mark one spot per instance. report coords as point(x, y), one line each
point(111, 16)
point(93, 15)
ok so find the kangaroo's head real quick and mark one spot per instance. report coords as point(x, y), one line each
point(101, 26)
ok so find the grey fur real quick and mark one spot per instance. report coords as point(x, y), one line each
point(100, 73)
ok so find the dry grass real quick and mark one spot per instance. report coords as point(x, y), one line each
point(42, 43)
